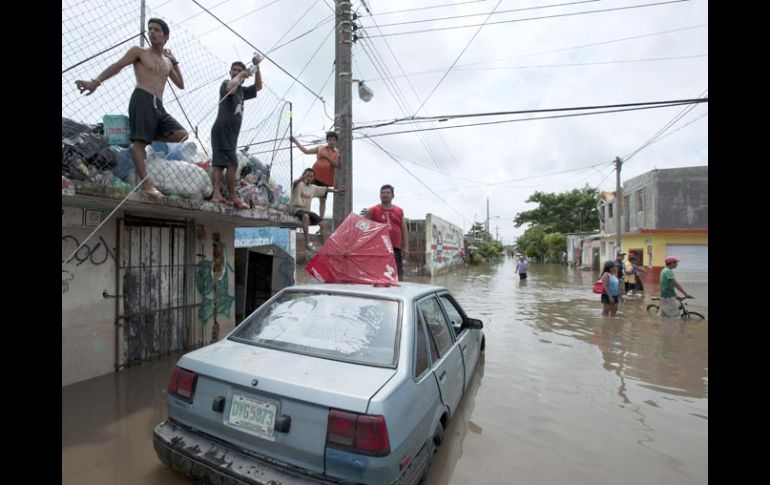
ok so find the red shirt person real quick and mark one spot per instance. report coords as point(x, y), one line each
point(393, 216)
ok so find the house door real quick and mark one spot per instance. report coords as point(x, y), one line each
point(156, 280)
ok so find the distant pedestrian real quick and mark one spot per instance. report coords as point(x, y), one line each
point(610, 288)
point(634, 273)
point(621, 271)
point(521, 267)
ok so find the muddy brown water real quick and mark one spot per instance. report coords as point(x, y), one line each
point(563, 395)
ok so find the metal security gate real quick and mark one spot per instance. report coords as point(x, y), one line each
point(156, 314)
point(693, 261)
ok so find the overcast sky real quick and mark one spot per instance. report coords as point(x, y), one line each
point(507, 66)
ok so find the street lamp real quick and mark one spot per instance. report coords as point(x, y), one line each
point(364, 92)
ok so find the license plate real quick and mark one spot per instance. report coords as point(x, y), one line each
point(253, 415)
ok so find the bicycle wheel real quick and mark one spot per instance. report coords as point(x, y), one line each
point(652, 309)
point(695, 316)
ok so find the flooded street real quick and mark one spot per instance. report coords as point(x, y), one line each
point(563, 394)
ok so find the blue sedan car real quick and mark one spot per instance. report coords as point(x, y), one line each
point(324, 383)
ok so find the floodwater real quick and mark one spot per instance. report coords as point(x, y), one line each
point(563, 395)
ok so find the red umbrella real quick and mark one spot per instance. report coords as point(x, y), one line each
point(359, 251)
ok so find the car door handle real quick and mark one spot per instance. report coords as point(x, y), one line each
point(442, 376)
point(464, 347)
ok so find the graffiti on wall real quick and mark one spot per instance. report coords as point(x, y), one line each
point(212, 281)
point(97, 253)
point(93, 252)
point(444, 243)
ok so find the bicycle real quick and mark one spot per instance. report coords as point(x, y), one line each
point(686, 314)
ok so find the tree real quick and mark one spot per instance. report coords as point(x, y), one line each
point(573, 211)
point(477, 231)
point(482, 244)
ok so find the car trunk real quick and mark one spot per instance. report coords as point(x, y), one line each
point(257, 384)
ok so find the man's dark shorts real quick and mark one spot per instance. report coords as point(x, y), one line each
point(399, 263)
point(148, 119)
point(606, 299)
point(522, 276)
point(315, 219)
point(224, 158)
point(321, 184)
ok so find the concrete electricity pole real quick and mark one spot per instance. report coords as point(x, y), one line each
point(343, 110)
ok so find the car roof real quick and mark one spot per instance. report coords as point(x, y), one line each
point(406, 291)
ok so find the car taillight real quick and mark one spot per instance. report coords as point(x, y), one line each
point(182, 383)
point(361, 433)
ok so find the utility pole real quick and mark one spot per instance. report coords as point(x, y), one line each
point(343, 110)
point(141, 23)
point(486, 226)
point(618, 203)
point(497, 233)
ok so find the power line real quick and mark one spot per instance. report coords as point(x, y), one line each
point(299, 19)
point(532, 111)
point(417, 96)
point(416, 178)
point(401, 102)
point(683, 126)
point(532, 18)
point(481, 26)
point(501, 183)
point(571, 115)
point(319, 24)
point(263, 54)
point(199, 13)
point(437, 19)
point(239, 18)
point(665, 127)
point(423, 8)
point(619, 61)
point(312, 56)
point(543, 66)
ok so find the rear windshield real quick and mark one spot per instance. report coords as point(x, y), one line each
point(340, 327)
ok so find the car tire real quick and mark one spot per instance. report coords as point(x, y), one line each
point(438, 437)
point(483, 344)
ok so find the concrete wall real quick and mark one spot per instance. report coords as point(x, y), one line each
point(682, 198)
point(443, 241)
point(675, 198)
point(88, 318)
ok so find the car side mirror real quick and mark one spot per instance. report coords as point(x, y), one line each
point(474, 323)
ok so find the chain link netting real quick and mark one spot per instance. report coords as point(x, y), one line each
point(95, 147)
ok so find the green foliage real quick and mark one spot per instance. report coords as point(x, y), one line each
point(573, 211)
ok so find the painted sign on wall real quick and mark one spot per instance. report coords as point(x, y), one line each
point(262, 236)
point(444, 242)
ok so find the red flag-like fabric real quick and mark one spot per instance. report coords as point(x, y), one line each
point(359, 251)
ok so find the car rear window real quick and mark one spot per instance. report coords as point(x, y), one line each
point(341, 327)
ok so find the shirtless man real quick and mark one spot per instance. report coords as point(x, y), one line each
point(148, 120)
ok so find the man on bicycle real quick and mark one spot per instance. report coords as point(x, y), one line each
point(669, 306)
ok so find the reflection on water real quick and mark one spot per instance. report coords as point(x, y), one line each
point(570, 396)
